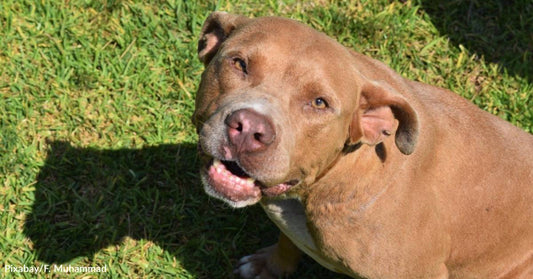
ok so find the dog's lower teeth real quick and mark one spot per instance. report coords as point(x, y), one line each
point(220, 168)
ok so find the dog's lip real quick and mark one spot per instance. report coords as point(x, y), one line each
point(232, 182)
point(230, 186)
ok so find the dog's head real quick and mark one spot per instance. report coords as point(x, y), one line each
point(279, 102)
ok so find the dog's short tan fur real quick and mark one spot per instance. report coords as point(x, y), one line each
point(390, 179)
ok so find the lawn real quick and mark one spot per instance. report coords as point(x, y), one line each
point(98, 160)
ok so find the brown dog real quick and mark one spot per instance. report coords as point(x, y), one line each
point(369, 173)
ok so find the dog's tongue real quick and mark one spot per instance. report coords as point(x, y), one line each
point(276, 190)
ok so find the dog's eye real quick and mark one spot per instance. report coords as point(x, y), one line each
point(240, 65)
point(319, 103)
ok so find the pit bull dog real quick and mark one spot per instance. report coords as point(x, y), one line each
point(368, 173)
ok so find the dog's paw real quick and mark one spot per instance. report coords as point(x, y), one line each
point(262, 265)
point(250, 267)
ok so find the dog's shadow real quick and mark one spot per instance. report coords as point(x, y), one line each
point(87, 199)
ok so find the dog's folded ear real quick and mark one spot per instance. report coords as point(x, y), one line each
point(375, 118)
point(217, 28)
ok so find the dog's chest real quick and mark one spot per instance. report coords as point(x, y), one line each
point(289, 215)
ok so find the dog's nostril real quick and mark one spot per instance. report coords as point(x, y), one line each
point(258, 136)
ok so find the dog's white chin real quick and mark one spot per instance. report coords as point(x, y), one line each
point(235, 204)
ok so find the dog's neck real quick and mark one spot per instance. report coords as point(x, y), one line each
point(367, 160)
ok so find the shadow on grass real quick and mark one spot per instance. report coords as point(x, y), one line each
point(87, 199)
point(499, 30)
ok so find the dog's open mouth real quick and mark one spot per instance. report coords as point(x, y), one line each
point(228, 181)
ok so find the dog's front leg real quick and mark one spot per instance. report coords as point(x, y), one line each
point(276, 261)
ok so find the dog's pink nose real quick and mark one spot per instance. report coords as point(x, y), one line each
point(249, 131)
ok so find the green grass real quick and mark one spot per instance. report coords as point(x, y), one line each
point(97, 153)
